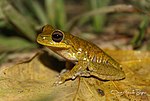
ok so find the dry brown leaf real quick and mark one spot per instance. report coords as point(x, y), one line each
point(33, 81)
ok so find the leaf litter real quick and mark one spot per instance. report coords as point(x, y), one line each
point(33, 81)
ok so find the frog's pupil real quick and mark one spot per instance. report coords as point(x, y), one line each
point(57, 36)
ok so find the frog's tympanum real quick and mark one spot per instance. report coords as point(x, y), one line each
point(89, 59)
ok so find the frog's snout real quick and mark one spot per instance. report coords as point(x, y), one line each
point(38, 38)
point(41, 39)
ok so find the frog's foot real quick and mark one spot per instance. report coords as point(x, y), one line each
point(67, 76)
point(62, 78)
point(59, 81)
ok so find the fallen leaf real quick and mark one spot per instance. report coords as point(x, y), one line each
point(33, 81)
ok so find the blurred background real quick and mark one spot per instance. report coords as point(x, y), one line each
point(110, 24)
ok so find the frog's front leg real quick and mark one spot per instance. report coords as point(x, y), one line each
point(73, 73)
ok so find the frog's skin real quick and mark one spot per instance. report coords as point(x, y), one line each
point(89, 59)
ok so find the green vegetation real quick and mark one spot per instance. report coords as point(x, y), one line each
point(21, 20)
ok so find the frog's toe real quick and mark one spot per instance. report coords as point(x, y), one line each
point(73, 77)
point(58, 82)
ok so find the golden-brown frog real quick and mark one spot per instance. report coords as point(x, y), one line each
point(89, 59)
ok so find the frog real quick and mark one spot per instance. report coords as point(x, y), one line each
point(89, 60)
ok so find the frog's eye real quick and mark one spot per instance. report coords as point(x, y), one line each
point(57, 36)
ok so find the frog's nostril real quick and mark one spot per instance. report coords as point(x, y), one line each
point(43, 38)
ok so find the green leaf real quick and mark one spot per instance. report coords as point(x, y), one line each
point(17, 19)
point(11, 44)
point(50, 10)
point(38, 10)
point(98, 20)
point(61, 14)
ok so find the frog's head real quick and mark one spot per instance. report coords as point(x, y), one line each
point(52, 37)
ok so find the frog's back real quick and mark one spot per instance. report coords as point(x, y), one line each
point(91, 52)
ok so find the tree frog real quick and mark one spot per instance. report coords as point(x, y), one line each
point(88, 58)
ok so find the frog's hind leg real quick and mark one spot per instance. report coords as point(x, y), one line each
point(105, 71)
